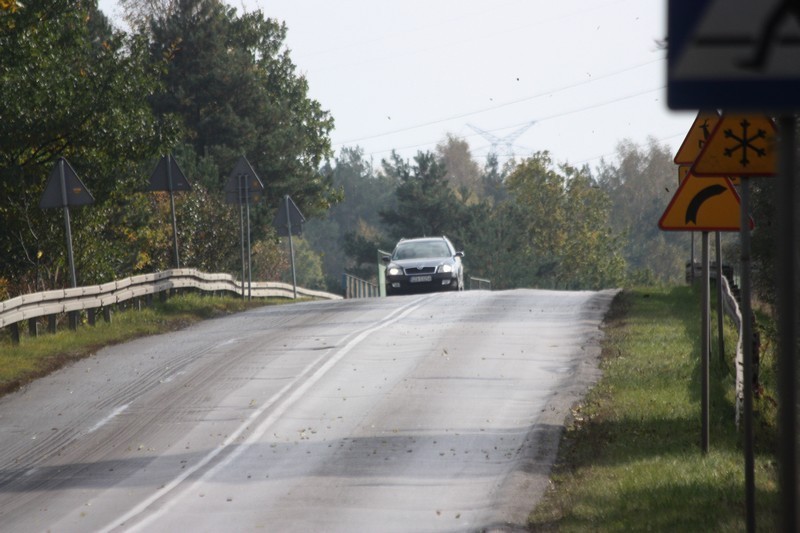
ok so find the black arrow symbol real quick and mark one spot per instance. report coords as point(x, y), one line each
point(699, 198)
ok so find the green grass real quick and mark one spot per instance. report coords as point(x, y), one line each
point(631, 459)
point(37, 356)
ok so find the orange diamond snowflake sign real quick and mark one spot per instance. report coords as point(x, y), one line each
point(740, 145)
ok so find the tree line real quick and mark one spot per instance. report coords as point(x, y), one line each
point(524, 223)
point(193, 78)
point(199, 80)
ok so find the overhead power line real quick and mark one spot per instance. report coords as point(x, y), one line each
point(498, 106)
point(540, 119)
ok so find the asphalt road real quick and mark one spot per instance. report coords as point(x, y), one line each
point(420, 413)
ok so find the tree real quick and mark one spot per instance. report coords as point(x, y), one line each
point(231, 82)
point(463, 173)
point(355, 218)
point(563, 217)
point(493, 179)
point(592, 255)
point(640, 185)
point(539, 191)
point(764, 238)
point(72, 87)
point(426, 205)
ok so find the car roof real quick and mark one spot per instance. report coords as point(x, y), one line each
point(423, 239)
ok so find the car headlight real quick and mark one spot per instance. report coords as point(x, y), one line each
point(393, 270)
point(446, 268)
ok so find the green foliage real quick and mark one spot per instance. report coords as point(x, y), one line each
point(463, 174)
point(354, 220)
point(493, 180)
point(208, 84)
point(535, 226)
point(71, 88)
point(426, 205)
point(233, 86)
point(362, 248)
point(640, 184)
point(763, 238)
point(494, 244)
point(308, 266)
point(565, 217)
point(270, 260)
point(194, 78)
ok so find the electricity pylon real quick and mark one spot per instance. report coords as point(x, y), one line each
point(506, 142)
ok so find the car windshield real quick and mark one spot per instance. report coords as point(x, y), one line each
point(419, 250)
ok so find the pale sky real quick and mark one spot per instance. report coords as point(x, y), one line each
point(580, 75)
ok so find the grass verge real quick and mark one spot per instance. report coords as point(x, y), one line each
point(631, 459)
point(37, 356)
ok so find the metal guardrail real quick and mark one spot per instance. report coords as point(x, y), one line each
point(358, 288)
point(731, 306)
point(479, 284)
point(91, 298)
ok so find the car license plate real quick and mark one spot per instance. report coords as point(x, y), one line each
point(420, 279)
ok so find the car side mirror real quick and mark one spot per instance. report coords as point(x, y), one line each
point(386, 259)
point(460, 254)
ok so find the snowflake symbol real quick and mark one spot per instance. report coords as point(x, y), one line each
point(745, 143)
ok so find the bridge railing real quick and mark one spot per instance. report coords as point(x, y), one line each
point(358, 288)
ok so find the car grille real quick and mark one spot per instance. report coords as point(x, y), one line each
point(414, 271)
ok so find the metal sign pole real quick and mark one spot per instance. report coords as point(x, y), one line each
point(787, 266)
point(249, 258)
point(67, 225)
point(172, 208)
point(720, 317)
point(704, 355)
point(241, 227)
point(291, 245)
point(747, 350)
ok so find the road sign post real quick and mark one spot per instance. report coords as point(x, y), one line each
point(705, 354)
point(291, 244)
point(64, 189)
point(741, 55)
point(747, 356)
point(720, 317)
point(289, 221)
point(244, 186)
point(742, 144)
point(67, 224)
point(705, 205)
point(167, 176)
point(787, 266)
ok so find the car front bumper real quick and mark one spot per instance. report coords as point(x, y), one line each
point(421, 283)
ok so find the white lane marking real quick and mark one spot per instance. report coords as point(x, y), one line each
point(107, 419)
point(281, 408)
